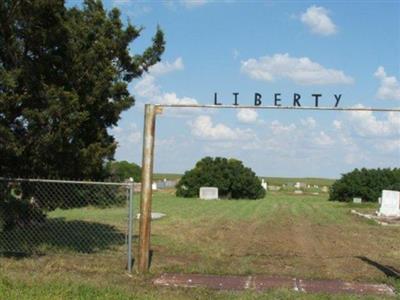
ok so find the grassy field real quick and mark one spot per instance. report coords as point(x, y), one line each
point(282, 235)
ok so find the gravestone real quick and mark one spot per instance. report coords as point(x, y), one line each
point(274, 188)
point(154, 215)
point(264, 184)
point(298, 192)
point(390, 206)
point(357, 200)
point(208, 193)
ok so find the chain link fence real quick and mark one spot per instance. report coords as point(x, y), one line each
point(42, 217)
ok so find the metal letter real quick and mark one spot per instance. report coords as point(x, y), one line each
point(337, 97)
point(316, 98)
point(257, 99)
point(236, 94)
point(216, 100)
point(296, 98)
point(277, 99)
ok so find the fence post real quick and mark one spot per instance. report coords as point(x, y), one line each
point(130, 229)
point(146, 191)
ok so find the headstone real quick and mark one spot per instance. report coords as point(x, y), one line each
point(325, 189)
point(264, 184)
point(380, 200)
point(154, 215)
point(208, 193)
point(298, 192)
point(274, 188)
point(390, 206)
point(357, 200)
point(154, 186)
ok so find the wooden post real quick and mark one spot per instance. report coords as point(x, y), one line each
point(146, 192)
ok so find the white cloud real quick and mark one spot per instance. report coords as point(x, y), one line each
point(171, 98)
point(388, 146)
point(389, 88)
point(277, 128)
point(132, 9)
point(322, 139)
point(337, 124)
point(162, 68)
point(318, 20)
point(366, 124)
point(236, 54)
point(247, 115)
point(127, 137)
point(308, 122)
point(193, 3)
point(147, 86)
point(204, 128)
point(300, 70)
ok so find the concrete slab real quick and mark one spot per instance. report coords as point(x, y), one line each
point(262, 283)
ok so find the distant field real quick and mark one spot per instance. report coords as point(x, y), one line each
point(168, 176)
point(283, 234)
point(270, 180)
point(306, 180)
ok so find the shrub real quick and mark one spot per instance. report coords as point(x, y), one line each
point(230, 176)
point(365, 183)
point(16, 209)
point(123, 170)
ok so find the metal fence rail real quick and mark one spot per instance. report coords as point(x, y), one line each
point(55, 216)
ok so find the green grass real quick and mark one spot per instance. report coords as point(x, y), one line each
point(286, 235)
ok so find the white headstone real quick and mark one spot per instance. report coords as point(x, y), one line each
point(380, 200)
point(154, 186)
point(298, 192)
point(390, 206)
point(154, 215)
point(264, 184)
point(208, 193)
point(357, 200)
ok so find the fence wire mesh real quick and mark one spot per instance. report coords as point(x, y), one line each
point(39, 217)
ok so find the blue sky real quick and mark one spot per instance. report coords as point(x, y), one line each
point(348, 48)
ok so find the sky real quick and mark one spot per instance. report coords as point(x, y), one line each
point(267, 47)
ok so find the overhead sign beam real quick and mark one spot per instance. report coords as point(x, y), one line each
point(279, 107)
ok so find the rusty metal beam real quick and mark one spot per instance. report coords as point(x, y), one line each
point(279, 107)
point(146, 191)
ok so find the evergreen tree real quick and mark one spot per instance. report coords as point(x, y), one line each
point(63, 82)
